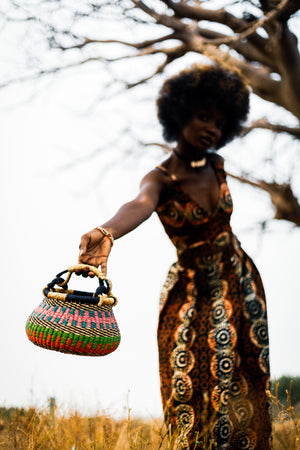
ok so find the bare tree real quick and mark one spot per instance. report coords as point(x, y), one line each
point(256, 36)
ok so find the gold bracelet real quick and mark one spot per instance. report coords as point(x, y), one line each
point(106, 233)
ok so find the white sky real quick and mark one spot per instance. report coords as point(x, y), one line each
point(46, 208)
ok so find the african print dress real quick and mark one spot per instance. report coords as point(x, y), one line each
point(212, 333)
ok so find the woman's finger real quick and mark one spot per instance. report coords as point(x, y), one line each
point(104, 268)
point(84, 243)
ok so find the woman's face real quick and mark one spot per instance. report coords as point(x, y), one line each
point(204, 129)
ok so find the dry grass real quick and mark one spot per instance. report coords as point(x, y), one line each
point(286, 421)
point(43, 429)
point(33, 429)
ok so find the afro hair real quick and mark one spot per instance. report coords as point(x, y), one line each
point(203, 86)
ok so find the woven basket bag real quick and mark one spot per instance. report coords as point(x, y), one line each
point(69, 321)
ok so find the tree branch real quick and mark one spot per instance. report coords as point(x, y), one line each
point(259, 77)
point(271, 15)
point(286, 205)
point(291, 8)
point(161, 19)
point(57, 69)
point(171, 55)
point(289, 58)
point(184, 10)
point(276, 128)
point(197, 13)
point(138, 45)
point(249, 51)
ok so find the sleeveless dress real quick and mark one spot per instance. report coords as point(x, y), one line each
point(212, 332)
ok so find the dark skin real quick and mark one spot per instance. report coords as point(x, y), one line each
point(202, 132)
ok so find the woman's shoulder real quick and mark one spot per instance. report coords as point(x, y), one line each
point(158, 176)
point(217, 160)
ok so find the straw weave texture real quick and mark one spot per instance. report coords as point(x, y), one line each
point(74, 328)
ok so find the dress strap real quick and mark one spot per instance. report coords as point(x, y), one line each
point(216, 161)
point(166, 172)
point(217, 164)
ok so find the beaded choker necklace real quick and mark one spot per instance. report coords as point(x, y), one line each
point(194, 164)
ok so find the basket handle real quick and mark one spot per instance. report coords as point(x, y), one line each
point(72, 269)
point(103, 292)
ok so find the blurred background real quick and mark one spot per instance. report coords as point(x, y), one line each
point(79, 131)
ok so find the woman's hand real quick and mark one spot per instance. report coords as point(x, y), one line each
point(94, 250)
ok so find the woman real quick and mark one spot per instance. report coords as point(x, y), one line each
point(212, 333)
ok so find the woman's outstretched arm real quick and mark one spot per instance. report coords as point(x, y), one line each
point(95, 246)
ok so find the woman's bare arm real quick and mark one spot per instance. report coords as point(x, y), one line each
point(133, 213)
point(95, 247)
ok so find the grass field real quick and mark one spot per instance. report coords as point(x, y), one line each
point(51, 429)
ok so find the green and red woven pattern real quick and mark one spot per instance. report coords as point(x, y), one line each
point(71, 328)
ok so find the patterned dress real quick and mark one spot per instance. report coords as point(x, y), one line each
point(212, 333)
